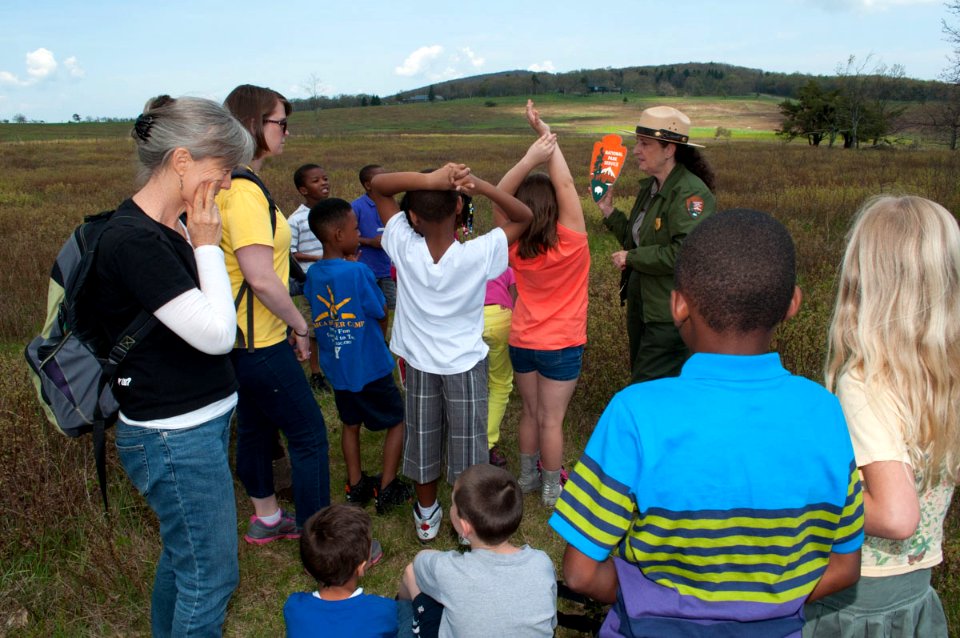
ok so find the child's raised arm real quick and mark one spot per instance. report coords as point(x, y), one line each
point(385, 185)
point(570, 210)
point(512, 216)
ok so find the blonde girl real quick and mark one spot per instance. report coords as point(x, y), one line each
point(894, 362)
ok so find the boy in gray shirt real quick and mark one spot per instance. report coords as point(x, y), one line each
point(496, 588)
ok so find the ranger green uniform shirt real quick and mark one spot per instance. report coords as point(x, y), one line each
point(672, 212)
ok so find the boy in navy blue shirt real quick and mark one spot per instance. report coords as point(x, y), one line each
point(335, 549)
point(348, 315)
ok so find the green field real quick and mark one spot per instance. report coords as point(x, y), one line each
point(65, 570)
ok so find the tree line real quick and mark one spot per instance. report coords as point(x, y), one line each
point(684, 80)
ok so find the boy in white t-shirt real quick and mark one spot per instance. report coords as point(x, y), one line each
point(314, 186)
point(438, 325)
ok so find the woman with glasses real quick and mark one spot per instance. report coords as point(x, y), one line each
point(274, 393)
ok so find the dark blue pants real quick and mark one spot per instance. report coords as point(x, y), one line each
point(274, 394)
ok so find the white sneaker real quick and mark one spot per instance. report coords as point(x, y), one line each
point(427, 528)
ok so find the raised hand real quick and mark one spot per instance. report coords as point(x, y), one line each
point(533, 117)
point(541, 150)
point(448, 176)
point(203, 216)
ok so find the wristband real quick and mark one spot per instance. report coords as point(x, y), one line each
point(305, 333)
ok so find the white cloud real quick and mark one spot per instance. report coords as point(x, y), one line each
point(417, 61)
point(73, 67)
point(475, 59)
point(435, 63)
point(545, 67)
point(41, 63)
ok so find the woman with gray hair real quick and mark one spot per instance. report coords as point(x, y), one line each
point(159, 261)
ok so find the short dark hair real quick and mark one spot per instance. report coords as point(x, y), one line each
point(490, 498)
point(334, 542)
point(432, 206)
point(250, 104)
point(366, 173)
point(300, 175)
point(327, 215)
point(738, 269)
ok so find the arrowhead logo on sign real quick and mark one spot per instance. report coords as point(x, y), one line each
point(609, 154)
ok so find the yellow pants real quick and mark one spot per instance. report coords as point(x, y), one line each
point(496, 332)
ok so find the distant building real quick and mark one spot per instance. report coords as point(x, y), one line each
point(422, 98)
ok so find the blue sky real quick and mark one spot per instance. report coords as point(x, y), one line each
point(106, 57)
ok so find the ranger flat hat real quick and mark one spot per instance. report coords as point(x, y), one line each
point(666, 124)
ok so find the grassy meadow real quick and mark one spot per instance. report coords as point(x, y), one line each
point(66, 570)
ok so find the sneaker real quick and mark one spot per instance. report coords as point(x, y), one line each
point(564, 474)
point(396, 493)
point(497, 458)
point(427, 528)
point(259, 533)
point(362, 491)
point(376, 553)
point(317, 382)
point(551, 488)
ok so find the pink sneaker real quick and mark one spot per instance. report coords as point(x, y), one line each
point(259, 533)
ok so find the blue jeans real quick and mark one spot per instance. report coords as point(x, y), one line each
point(185, 477)
point(274, 394)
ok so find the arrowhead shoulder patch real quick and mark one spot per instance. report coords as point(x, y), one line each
point(694, 206)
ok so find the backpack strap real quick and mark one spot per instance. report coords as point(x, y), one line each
point(246, 173)
point(135, 333)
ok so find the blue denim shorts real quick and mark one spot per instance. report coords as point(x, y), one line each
point(558, 365)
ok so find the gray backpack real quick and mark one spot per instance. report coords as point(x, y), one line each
point(72, 367)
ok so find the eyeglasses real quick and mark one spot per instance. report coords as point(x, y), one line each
point(281, 123)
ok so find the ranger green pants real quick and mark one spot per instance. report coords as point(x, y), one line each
point(656, 349)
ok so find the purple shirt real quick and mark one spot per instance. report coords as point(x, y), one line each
point(370, 226)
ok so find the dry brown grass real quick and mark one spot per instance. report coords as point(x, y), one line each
point(64, 570)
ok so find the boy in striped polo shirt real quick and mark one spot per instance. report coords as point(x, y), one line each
point(717, 502)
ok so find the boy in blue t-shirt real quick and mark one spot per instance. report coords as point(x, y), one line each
point(335, 548)
point(717, 502)
point(348, 313)
point(371, 233)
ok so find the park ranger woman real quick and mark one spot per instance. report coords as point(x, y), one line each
point(672, 200)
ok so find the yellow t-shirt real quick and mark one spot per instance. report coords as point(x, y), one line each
point(246, 222)
point(877, 436)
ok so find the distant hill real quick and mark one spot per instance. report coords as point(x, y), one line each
point(691, 79)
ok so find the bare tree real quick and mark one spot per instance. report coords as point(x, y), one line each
point(313, 87)
point(865, 110)
point(952, 35)
point(943, 118)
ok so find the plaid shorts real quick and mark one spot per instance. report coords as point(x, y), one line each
point(445, 406)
